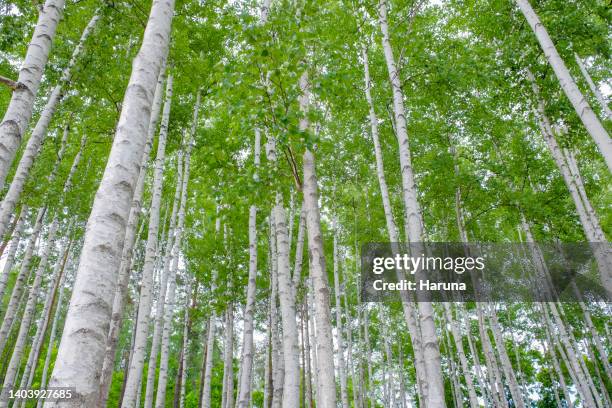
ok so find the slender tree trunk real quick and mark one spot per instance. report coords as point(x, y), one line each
point(581, 378)
point(413, 224)
point(228, 359)
point(33, 146)
point(291, 382)
point(9, 233)
point(210, 341)
point(130, 240)
point(246, 365)
point(21, 281)
point(326, 390)
point(28, 316)
point(146, 290)
point(312, 339)
point(350, 361)
point(308, 401)
point(160, 398)
point(10, 257)
point(515, 390)
point(19, 111)
point(366, 330)
point(581, 105)
point(277, 350)
point(41, 329)
point(81, 352)
point(557, 368)
point(186, 335)
point(569, 170)
point(497, 388)
point(53, 334)
point(598, 95)
point(267, 397)
point(467, 375)
point(339, 328)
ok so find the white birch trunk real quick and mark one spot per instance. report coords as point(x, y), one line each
point(307, 356)
point(13, 246)
point(228, 359)
point(41, 327)
point(457, 337)
point(267, 364)
point(326, 390)
point(209, 360)
point(53, 334)
point(210, 341)
point(392, 230)
point(246, 365)
point(185, 358)
point(81, 351)
point(34, 144)
point(339, 328)
point(19, 111)
point(21, 281)
point(569, 170)
point(312, 339)
point(598, 95)
point(291, 382)
point(278, 362)
point(146, 289)
point(28, 316)
point(497, 389)
point(160, 398)
point(581, 105)
point(127, 251)
point(413, 223)
point(515, 390)
point(299, 252)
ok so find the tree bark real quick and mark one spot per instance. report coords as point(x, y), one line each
point(28, 315)
point(146, 288)
point(160, 398)
point(19, 111)
point(569, 171)
point(10, 257)
point(127, 251)
point(339, 328)
point(598, 95)
point(81, 350)
point(467, 375)
point(41, 328)
point(413, 224)
point(35, 141)
point(326, 394)
point(246, 365)
point(581, 105)
point(22, 278)
point(291, 382)
point(228, 359)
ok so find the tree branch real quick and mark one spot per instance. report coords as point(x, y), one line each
point(9, 82)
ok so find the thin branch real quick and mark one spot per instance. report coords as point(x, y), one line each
point(9, 82)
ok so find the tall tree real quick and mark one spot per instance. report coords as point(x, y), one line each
point(19, 111)
point(81, 350)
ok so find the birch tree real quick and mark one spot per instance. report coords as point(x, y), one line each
point(81, 350)
point(146, 289)
point(581, 105)
point(19, 111)
point(40, 131)
point(413, 222)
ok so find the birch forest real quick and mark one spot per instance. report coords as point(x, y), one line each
point(186, 187)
